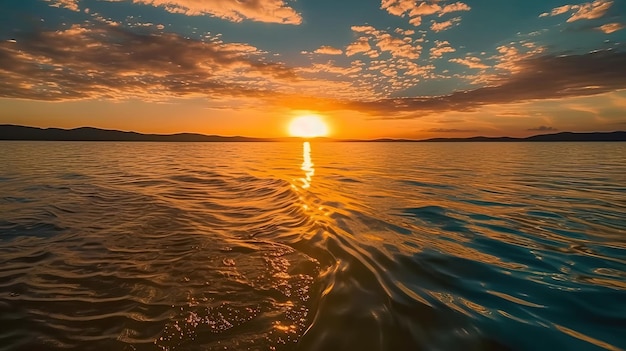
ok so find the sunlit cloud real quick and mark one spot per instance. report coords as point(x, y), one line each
point(417, 9)
point(328, 50)
point(441, 26)
point(455, 7)
point(470, 61)
point(110, 62)
point(106, 61)
point(330, 67)
point(270, 11)
point(589, 10)
point(441, 47)
point(397, 46)
point(361, 45)
point(511, 57)
point(68, 4)
point(611, 27)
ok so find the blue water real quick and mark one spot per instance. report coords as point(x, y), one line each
point(314, 246)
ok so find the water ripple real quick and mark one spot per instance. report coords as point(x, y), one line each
point(148, 246)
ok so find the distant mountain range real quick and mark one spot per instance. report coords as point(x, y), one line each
point(16, 132)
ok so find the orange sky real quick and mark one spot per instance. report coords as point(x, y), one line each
point(395, 68)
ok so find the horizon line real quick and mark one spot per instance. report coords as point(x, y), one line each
point(276, 139)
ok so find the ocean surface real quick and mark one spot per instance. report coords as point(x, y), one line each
point(312, 246)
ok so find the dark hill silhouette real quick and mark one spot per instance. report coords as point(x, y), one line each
point(562, 136)
point(15, 132)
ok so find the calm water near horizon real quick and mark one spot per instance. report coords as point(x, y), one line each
point(312, 246)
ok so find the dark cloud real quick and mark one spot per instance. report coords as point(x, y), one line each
point(108, 61)
point(538, 78)
point(542, 129)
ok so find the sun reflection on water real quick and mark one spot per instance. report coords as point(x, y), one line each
point(307, 165)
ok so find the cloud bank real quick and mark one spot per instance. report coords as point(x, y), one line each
point(109, 62)
point(537, 78)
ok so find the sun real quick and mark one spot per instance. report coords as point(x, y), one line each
point(309, 126)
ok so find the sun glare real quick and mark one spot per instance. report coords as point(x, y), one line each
point(309, 126)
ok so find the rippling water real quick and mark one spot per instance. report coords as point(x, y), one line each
point(321, 246)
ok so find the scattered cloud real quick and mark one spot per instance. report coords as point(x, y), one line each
point(68, 4)
point(611, 27)
point(510, 57)
point(457, 6)
point(328, 50)
point(109, 62)
point(363, 29)
point(589, 10)
point(417, 9)
point(398, 46)
point(440, 48)
point(330, 67)
point(542, 129)
point(270, 11)
point(361, 45)
point(470, 61)
point(557, 11)
point(441, 26)
point(537, 78)
point(404, 31)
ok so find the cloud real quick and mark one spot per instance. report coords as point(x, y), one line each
point(557, 11)
point(592, 10)
point(456, 7)
point(611, 27)
point(68, 4)
point(330, 67)
point(440, 26)
point(537, 78)
point(363, 29)
point(424, 9)
point(417, 9)
point(542, 129)
point(110, 62)
point(328, 50)
point(398, 47)
point(270, 11)
point(589, 10)
point(404, 31)
point(470, 61)
point(511, 57)
point(361, 45)
point(440, 48)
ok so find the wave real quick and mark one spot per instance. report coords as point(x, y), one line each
point(173, 255)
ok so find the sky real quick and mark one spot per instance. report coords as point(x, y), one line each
point(369, 68)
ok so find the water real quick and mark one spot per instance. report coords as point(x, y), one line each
point(321, 246)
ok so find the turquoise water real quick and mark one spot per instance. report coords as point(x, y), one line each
point(320, 246)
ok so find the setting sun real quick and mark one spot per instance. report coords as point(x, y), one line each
point(309, 126)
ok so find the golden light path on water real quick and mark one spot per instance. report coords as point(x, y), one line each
point(307, 165)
